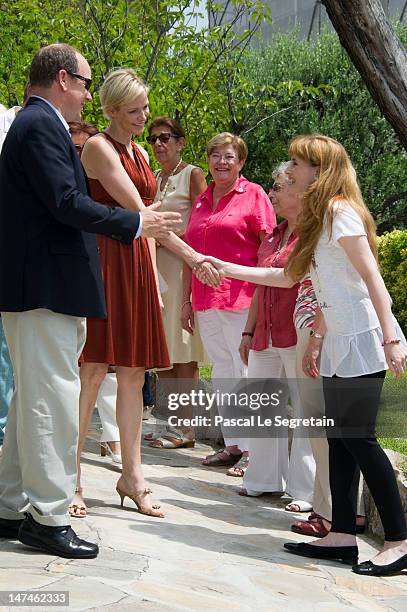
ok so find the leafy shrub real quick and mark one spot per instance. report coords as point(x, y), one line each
point(393, 263)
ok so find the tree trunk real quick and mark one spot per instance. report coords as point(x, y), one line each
point(377, 53)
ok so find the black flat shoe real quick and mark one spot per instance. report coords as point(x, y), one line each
point(9, 528)
point(59, 541)
point(368, 568)
point(344, 554)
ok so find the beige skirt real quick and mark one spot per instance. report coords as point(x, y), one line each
point(182, 347)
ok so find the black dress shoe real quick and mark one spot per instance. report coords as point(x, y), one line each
point(59, 541)
point(9, 528)
point(367, 568)
point(344, 554)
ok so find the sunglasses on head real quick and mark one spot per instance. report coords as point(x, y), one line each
point(163, 137)
point(88, 82)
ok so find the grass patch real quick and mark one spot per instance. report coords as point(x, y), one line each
point(396, 444)
point(392, 418)
point(205, 373)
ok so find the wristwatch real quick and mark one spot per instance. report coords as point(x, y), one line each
point(313, 332)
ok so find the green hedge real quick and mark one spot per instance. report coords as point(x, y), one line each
point(393, 265)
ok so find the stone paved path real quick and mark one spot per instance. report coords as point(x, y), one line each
point(215, 551)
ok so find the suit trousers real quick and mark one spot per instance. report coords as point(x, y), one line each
point(6, 382)
point(270, 468)
point(38, 466)
point(313, 405)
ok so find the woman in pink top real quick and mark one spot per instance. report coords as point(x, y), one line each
point(229, 221)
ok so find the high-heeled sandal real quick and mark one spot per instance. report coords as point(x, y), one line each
point(73, 508)
point(106, 450)
point(136, 497)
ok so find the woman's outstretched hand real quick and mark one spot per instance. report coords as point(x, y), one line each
point(207, 273)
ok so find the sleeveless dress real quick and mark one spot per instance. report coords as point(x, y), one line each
point(133, 333)
point(182, 347)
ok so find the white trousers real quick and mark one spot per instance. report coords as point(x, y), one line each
point(38, 465)
point(106, 405)
point(221, 333)
point(270, 468)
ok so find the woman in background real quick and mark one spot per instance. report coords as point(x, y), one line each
point(178, 186)
point(230, 219)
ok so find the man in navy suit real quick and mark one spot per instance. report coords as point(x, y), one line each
point(50, 282)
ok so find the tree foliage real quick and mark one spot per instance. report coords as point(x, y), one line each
point(346, 112)
point(193, 74)
point(216, 80)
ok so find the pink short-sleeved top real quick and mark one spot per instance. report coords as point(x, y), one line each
point(230, 232)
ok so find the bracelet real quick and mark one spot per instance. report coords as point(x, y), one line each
point(392, 341)
point(185, 303)
point(247, 334)
point(314, 334)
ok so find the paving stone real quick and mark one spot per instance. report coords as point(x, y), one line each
point(11, 579)
point(398, 604)
point(132, 604)
point(215, 550)
point(369, 586)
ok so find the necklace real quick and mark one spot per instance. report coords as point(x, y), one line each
point(164, 192)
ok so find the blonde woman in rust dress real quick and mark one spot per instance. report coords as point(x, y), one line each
point(178, 185)
point(132, 337)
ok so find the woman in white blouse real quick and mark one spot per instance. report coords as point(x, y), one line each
point(337, 245)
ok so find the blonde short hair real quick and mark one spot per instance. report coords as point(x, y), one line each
point(121, 86)
point(226, 138)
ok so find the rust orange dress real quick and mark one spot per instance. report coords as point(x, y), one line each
point(133, 333)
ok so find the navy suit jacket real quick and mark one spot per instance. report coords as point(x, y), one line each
point(48, 249)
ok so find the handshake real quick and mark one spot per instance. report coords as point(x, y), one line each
point(208, 270)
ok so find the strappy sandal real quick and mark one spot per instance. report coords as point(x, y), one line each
point(239, 469)
point(74, 508)
point(216, 459)
point(137, 498)
point(151, 436)
point(161, 431)
point(172, 439)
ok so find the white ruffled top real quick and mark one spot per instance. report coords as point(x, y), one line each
point(352, 344)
